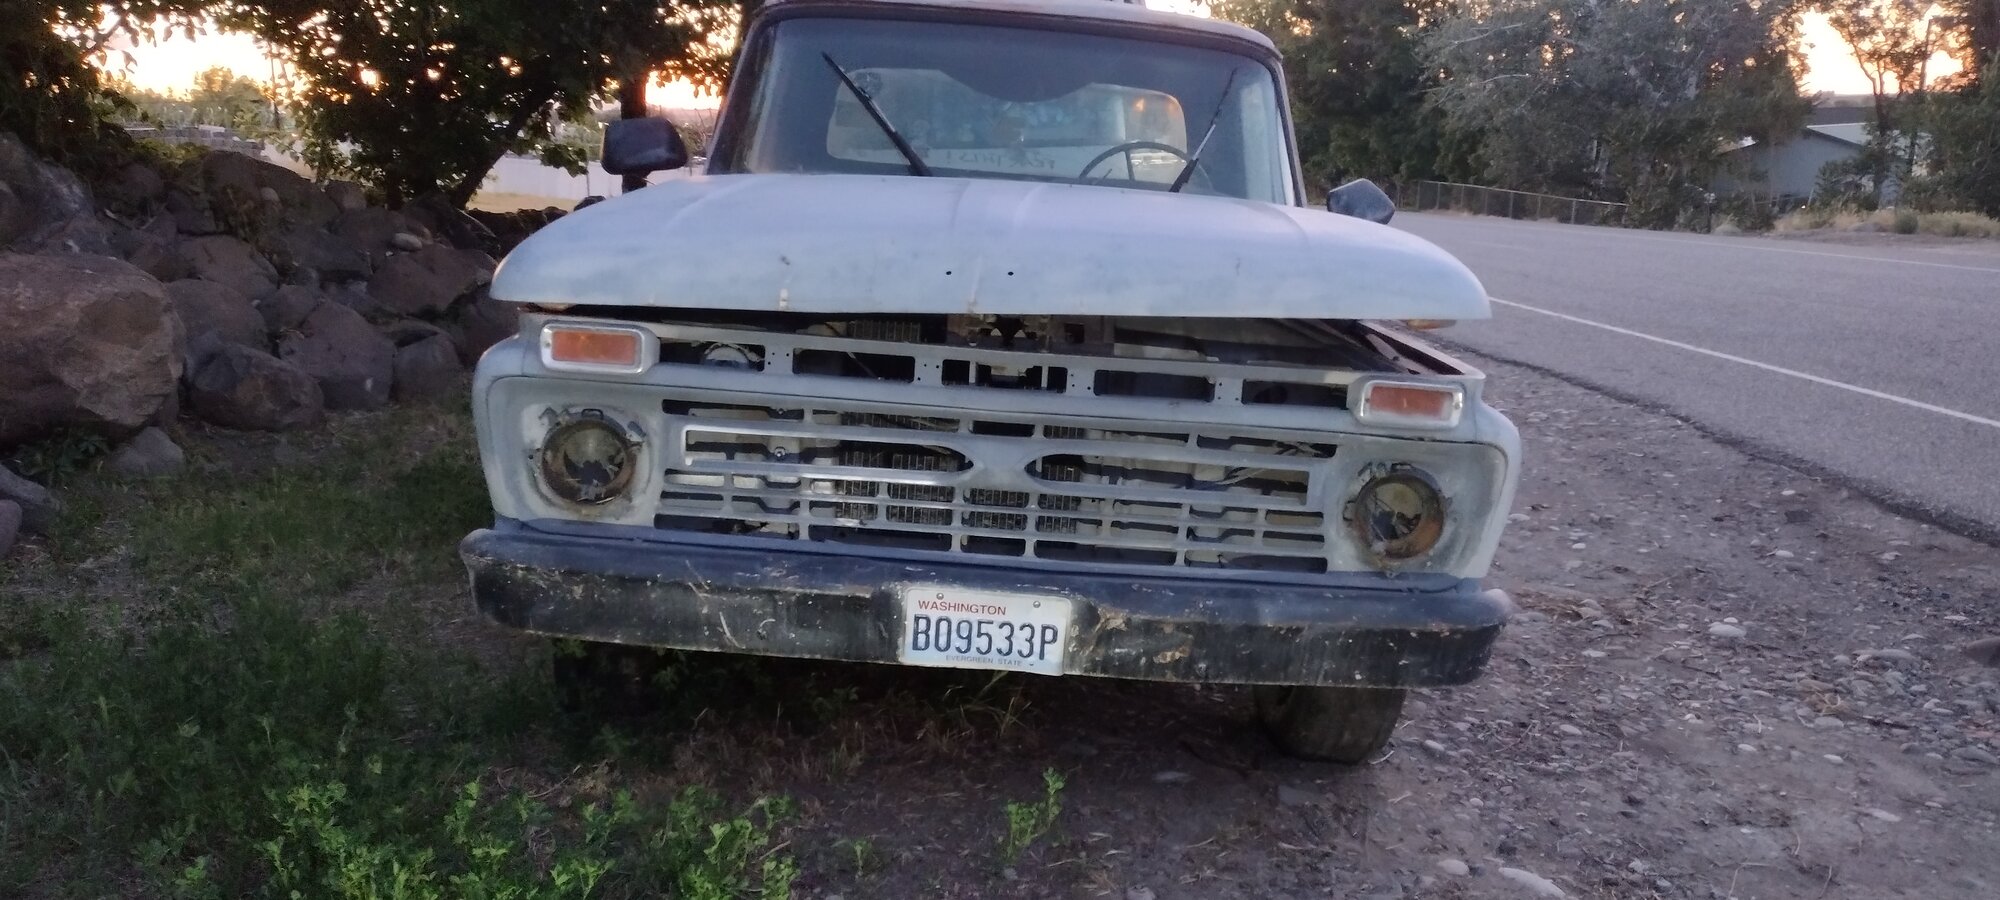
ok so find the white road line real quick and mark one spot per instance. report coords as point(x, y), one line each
point(1736, 244)
point(1781, 370)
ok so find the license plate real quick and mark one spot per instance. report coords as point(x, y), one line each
point(967, 629)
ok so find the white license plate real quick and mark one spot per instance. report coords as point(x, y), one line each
point(967, 629)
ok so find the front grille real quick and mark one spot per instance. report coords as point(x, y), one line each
point(996, 487)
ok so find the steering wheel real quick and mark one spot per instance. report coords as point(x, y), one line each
point(1127, 148)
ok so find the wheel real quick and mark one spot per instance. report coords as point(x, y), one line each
point(1335, 724)
point(606, 679)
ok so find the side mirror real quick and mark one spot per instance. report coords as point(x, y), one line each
point(1361, 199)
point(642, 147)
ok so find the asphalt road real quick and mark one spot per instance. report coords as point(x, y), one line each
point(1878, 364)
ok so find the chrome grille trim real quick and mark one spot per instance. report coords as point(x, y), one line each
point(778, 355)
point(828, 471)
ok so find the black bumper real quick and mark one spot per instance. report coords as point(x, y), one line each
point(787, 602)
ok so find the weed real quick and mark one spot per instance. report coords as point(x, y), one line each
point(252, 734)
point(1900, 221)
point(1029, 822)
point(860, 854)
point(59, 456)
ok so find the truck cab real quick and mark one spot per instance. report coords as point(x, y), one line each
point(998, 334)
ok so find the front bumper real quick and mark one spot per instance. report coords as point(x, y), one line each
point(787, 601)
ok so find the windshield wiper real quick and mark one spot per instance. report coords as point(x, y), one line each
point(917, 166)
point(1194, 159)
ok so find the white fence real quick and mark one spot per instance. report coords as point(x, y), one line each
point(526, 175)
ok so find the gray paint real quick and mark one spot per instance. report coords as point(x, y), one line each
point(1787, 169)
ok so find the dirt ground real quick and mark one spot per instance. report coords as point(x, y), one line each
point(1727, 679)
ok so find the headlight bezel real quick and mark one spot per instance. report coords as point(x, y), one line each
point(555, 467)
point(1419, 488)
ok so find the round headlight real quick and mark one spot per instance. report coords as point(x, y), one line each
point(587, 461)
point(1397, 515)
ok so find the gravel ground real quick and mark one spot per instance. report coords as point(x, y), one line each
point(1727, 679)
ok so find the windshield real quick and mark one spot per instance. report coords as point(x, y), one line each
point(995, 102)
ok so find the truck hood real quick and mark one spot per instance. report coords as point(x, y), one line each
point(852, 244)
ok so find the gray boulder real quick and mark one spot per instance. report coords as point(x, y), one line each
point(327, 255)
point(88, 234)
point(356, 296)
point(89, 342)
point(426, 282)
point(353, 363)
point(188, 208)
point(479, 322)
point(373, 230)
point(426, 360)
point(346, 195)
point(155, 248)
point(241, 388)
point(427, 369)
point(41, 197)
point(226, 260)
point(149, 454)
point(206, 307)
point(16, 216)
point(136, 189)
point(39, 508)
point(10, 526)
point(287, 308)
point(253, 197)
point(435, 212)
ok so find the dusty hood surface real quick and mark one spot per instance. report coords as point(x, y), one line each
point(898, 244)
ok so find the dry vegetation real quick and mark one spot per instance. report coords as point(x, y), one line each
point(1939, 224)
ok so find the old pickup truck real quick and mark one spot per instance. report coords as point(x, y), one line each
point(998, 334)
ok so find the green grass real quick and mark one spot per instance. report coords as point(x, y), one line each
point(215, 686)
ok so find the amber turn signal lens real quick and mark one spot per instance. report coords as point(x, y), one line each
point(596, 348)
point(1404, 403)
point(1422, 403)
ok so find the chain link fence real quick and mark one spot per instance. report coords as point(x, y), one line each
point(1419, 196)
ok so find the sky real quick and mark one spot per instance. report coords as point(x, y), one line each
point(171, 65)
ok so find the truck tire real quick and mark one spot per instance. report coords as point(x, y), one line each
point(1335, 724)
point(605, 679)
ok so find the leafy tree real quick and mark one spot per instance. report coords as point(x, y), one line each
point(1891, 41)
point(222, 97)
point(50, 94)
point(416, 95)
point(1972, 35)
point(1633, 100)
point(1965, 139)
point(1358, 86)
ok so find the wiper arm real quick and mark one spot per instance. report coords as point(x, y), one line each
point(917, 166)
point(1214, 119)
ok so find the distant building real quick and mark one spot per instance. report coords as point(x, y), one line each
point(1836, 130)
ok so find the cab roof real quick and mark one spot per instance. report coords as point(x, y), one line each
point(1112, 11)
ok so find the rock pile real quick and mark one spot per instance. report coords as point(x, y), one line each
point(233, 290)
point(235, 286)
